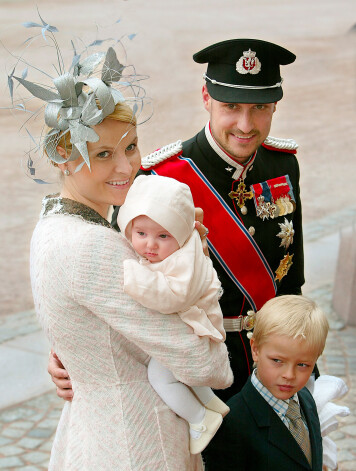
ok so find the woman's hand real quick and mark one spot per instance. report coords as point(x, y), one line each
point(203, 231)
point(60, 377)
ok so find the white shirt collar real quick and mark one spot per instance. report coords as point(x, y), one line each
point(240, 170)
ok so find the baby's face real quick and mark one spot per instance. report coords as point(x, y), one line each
point(152, 241)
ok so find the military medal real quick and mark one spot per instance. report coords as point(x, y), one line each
point(284, 267)
point(282, 208)
point(274, 211)
point(273, 198)
point(241, 195)
point(285, 203)
point(286, 234)
point(263, 208)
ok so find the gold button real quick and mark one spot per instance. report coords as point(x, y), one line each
point(244, 210)
point(251, 230)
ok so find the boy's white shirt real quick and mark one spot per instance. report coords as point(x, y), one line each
point(184, 283)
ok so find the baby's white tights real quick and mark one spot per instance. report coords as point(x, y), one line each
point(177, 395)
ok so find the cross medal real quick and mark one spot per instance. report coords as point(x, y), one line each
point(241, 195)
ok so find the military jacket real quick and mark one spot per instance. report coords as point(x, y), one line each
point(269, 163)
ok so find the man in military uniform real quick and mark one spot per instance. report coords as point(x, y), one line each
point(247, 184)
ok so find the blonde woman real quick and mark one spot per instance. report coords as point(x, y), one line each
point(116, 421)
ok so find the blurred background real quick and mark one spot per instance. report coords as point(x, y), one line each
point(318, 111)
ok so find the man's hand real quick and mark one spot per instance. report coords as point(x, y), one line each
point(203, 231)
point(60, 377)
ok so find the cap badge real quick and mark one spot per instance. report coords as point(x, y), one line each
point(248, 63)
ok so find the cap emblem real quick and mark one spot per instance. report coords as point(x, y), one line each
point(248, 63)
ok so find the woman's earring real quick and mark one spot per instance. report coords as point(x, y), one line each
point(66, 172)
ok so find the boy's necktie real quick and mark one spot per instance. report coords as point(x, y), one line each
point(298, 429)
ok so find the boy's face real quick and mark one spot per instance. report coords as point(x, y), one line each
point(152, 241)
point(284, 364)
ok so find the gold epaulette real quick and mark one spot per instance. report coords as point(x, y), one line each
point(161, 154)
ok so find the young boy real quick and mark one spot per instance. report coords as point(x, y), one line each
point(173, 276)
point(273, 423)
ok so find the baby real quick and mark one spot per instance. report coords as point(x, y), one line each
point(174, 276)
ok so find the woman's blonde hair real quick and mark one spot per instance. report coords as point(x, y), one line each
point(292, 316)
point(122, 112)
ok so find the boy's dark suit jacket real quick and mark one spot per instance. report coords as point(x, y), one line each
point(252, 437)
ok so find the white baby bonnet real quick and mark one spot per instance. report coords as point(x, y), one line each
point(164, 200)
point(325, 389)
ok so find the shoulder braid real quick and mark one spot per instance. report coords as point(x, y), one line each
point(286, 145)
point(161, 154)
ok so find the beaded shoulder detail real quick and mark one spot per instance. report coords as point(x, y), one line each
point(54, 204)
point(161, 154)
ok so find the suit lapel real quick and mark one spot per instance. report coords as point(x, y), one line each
point(285, 441)
point(265, 416)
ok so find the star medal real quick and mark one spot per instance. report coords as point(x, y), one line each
point(286, 234)
point(241, 195)
point(284, 267)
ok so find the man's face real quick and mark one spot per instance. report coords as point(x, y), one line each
point(238, 128)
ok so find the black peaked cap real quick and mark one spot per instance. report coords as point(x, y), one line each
point(248, 70)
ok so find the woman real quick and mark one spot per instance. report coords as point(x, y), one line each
point(105, 339)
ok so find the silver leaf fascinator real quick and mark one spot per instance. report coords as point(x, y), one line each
point(75, 100)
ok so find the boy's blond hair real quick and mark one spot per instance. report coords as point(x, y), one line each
point(295, 317)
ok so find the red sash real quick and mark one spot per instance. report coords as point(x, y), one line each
point(230, 242)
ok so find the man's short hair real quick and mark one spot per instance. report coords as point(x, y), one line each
point(293, 316)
